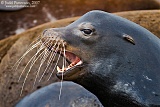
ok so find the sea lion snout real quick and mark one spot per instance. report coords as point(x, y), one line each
point(51, 33)
point(51, 37)
point(57, 41)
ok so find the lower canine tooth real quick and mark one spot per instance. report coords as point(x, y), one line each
point(58, 69)
point(79, 63)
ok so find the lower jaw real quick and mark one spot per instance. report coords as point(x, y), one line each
point(69, 75)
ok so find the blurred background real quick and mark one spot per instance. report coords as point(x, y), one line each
point(14, 20)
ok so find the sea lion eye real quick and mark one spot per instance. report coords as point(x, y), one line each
point(87, 31)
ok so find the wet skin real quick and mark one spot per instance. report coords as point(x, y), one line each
point(119, 59)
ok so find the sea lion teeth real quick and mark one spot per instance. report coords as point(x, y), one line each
point(75, 64)
point(79, 63)
point(59, 70)
point(70, 66)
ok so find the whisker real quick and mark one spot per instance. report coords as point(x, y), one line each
point(49, 45)
point(64, 65)
point(45, 56)
point(60, 92)
point(29, 71)
point(43, 44)
point(52, 57)
point(36, 40)
point(16, 65)
point(46, 43)
point(55, 64)
point(33, 57)
point(64, 58)
point(51, 54)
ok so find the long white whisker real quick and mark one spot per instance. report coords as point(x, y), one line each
point(53, 55)
point(20, 59)
point(55, 65)
point(60, 93)
point(48, 63)
point(29, 72)
point(64, 55)
point(33, 57)
point(48, 45)
point(43, 44)
point(64, 65)
point(35, 41)
point(45, 56)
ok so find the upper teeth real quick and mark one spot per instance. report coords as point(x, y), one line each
point(70, 66)
point(59, 70)
point(79, 63)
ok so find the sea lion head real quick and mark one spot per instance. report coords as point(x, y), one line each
point(88, 42)
point(104, 50)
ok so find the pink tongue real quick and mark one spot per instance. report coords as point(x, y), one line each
point(72, 58)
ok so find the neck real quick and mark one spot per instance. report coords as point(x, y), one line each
point(102, 88)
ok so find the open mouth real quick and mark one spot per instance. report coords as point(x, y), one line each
point(73, 60)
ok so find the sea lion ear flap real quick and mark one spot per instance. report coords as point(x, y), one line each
point(128, 38)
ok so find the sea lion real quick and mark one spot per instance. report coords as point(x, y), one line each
point(73, 95)
point(110, 56)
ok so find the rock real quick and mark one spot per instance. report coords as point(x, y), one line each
point(50, 10)
point(12, 48)
point(149, 19)
point(72, 95)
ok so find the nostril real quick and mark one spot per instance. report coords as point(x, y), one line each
point(44, 31)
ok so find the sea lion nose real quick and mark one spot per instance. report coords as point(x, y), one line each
point(52, 32)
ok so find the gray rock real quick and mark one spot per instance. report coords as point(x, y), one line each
point(72, 95)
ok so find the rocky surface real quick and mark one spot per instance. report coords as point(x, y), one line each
point(148, 19)
point(12, 48)
point(16, 22)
